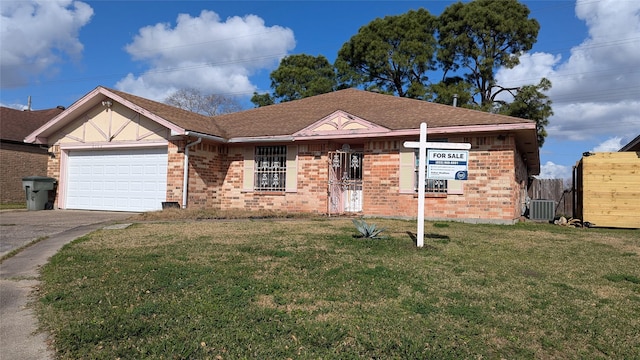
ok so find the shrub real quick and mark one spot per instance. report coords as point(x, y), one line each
point(369, 231)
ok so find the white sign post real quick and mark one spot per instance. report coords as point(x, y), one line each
point(422, 146)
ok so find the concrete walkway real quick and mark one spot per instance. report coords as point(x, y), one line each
point(19, 335)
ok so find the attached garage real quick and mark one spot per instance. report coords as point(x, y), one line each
point(116, 180)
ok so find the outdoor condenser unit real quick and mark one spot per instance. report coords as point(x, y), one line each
point(542, 210)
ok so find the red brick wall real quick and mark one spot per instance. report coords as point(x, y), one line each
point(311, 194)
point(53, 170)
point(380, 181)
point(207, 166)
point(205, 175)
point(175, 159)
point(493, 193)
point(19, 161)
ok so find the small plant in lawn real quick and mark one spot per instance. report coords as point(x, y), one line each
point(368, 231)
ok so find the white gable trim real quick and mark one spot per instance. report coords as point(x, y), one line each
point(338, 125)
point(169, 125)
point(86, 103)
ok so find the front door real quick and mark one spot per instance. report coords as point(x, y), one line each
point(345, 181)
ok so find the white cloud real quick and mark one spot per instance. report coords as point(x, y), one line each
point(588, 120)
point(35, 35)
point(531, 69)
point(596, 91)
point(610, 145)
point(14, 106)
point(549, 170)
point(206, 53)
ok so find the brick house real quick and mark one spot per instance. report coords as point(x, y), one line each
point(17, 158)
point(335, 153)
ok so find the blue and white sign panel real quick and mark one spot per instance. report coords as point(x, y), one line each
point(447, 164)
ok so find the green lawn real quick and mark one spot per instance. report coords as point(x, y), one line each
point(310, 289)
point(13, 206)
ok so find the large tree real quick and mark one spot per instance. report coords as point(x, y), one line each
point(480, 36)
point(260, 100)
point(452, 90)
point(300, 76)
point(391, 54)
point(297, 77)
point(194, 100)
point(531, 103)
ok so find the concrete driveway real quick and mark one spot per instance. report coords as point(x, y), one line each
point(20, 227)
point(19, 338)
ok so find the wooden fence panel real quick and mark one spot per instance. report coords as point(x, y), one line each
point(553, 189)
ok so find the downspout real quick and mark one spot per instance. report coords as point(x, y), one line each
point(185, 183)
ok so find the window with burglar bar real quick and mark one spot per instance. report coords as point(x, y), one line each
point(431, 185)
point(271, 168)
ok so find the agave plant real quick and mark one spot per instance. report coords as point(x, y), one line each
point(369, 231)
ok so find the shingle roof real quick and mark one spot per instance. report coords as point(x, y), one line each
point(633, 145)
point(185, 119)
point(15, 125)
point(392, 112)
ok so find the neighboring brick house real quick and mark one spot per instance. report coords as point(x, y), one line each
point(335, 153)
point(17, 158)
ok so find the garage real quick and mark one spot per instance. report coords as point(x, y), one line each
point(116, 180)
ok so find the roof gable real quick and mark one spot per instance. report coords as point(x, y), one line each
point(177, 120)
point(338, 125)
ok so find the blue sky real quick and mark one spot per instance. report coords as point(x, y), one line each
point(56, 51)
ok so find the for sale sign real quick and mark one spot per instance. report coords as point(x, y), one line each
point(447, 164)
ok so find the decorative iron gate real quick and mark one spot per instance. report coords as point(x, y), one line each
point(345, 181)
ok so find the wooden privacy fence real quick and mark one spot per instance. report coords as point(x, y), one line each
point(553, 189)
point(608, 188)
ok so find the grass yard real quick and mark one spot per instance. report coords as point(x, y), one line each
point(309, 289)
point(13, 206)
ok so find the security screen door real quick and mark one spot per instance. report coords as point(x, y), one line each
point(345, 181)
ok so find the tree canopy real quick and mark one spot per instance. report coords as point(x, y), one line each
point(482, 35)
point(452, 88)
point(392, 55)
point(297, 77)
point(194, 100)
point(531, 103)
point(395, 55)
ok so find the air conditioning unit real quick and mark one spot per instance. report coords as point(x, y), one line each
point(542, 210)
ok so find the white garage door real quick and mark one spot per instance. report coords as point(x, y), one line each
point(117, 180)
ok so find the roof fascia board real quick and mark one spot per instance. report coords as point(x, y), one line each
point(258, 139)
point(205, 136)
point(391, 133)
point(477, 128)
point(631, 144)
point(39, 136)
point(36, 135)
point(434, 130)
point(175, 129)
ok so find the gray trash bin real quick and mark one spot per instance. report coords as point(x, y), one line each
point(37, 190)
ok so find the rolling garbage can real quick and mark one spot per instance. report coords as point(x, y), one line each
point(37, 190)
